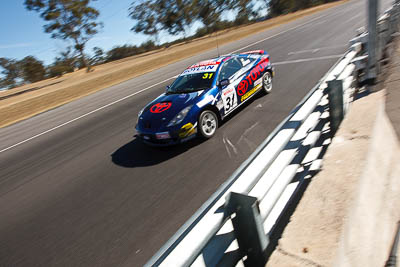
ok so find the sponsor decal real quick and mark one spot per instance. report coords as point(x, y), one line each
point(242, 87)
point(207, 76)
point(205, 63)
point(160, 107)
point(250, 93)
point(205, 101)
point(209, 68)
point(163, 135)
point(245, 61)
point(227, 91)
point(187, 130)
point(252, 77)
point(229, 98)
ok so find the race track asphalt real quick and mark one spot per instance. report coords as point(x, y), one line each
point(77, 189)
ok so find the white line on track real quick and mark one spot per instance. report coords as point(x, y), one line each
point(85, 115)
point(314, 50)
point(147, 88)
point(305, 60)
point(279, 33)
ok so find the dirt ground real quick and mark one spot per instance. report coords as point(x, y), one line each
point(26, 101)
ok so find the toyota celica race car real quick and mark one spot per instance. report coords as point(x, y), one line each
point(202, 96)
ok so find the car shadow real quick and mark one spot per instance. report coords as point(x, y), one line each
point(137, 154)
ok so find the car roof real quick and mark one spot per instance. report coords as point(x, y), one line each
point(218, 60)
point(209, 62)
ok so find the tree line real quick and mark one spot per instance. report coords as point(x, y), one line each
point(279, 7)
point(76, 21)
point(30, 69)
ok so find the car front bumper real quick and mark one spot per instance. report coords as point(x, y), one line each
point(168, 138)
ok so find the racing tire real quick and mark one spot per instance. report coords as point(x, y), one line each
point(267, 83)
point(207, 124)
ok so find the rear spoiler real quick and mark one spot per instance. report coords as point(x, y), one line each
point(254, 52)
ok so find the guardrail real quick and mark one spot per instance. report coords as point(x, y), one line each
point(387, 28)
point(236, 222)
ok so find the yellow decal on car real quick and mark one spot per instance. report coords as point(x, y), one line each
point(186, 130)
point(250, 93)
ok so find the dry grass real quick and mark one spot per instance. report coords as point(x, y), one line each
point(32, 99)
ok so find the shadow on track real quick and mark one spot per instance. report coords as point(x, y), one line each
point(136, 154)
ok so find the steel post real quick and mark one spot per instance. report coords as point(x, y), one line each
point(372, 40)
point(248, 227)
point(336, 110)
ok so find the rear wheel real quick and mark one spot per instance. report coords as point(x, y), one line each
point(267, 82)
point(208, 124)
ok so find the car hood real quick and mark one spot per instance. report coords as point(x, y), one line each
point(163, 109)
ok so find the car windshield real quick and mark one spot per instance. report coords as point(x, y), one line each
point(191, 83)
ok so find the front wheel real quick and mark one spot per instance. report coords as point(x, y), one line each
point(267, 82)
point(208, 124)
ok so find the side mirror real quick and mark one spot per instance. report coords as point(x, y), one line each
point(167, 87)
point(223, 83)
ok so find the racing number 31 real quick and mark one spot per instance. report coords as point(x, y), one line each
point(207, 75)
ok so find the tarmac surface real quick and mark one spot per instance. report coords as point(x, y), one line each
point(76, 189)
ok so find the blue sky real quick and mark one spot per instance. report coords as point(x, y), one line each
point(22, 31)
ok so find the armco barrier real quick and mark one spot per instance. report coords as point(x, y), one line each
point(252, 190)
point(235, 223)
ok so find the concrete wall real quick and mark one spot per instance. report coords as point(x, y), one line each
point(369, 230)
point(348, 214)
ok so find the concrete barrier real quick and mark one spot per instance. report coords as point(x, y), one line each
point(348, 214)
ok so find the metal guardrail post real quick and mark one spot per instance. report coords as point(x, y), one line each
point(248, 228)
point(392, 261)
point(372, 70)
point(335, 97)
point(383, 29)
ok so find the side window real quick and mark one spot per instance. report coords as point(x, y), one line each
point(230, 67)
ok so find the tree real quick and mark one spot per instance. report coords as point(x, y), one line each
point(153, 16)
point(209, 14)
point(145, 15)
point(278, 7)
point(32, 70)
point(68, 20)
point(64, 63)
point(176, 16)
point(98, 56)
point(245, 11)
point(124, 51)
point(10, 73)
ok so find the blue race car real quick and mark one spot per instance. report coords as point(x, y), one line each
point(202, 96)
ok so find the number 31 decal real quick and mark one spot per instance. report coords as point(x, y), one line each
point(207, 76)
point(229, 99)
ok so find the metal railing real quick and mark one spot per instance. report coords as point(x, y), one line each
point(387, 27)
point(235, 223)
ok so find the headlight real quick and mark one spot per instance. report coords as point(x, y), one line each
point(179, 118)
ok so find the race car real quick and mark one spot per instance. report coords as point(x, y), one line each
point(202, 96)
